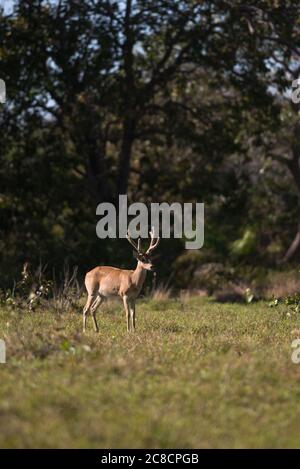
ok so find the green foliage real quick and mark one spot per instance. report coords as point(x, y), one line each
point(185, 266)
point(246, 245)
point(291, 301)
point(157, 101)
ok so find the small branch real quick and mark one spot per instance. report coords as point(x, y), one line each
point(280, 159)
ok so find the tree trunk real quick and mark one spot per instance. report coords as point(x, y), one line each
point(293, 247)
point(97, 175)
point(125, 157)
point(129, 102)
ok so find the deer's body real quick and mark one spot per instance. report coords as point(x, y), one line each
point(111, 281)
point(104, 282)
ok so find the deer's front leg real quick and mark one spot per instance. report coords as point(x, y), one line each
point(132, 314)
point(126, 306)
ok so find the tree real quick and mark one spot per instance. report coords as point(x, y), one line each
point(156, 100)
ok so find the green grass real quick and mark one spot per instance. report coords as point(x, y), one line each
point(196, 374)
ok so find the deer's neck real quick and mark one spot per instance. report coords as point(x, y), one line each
point(139, 276)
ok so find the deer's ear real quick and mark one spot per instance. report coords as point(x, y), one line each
point(135, 254)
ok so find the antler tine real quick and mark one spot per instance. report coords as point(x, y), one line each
point(137, 246)
point(131, 241)
point(153, 244)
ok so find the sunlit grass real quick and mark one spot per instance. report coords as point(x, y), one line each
point(195, 374)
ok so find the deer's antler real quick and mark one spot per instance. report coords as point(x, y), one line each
point(137, 246)
point(153, 243)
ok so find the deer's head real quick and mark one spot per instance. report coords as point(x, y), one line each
point(144, 258)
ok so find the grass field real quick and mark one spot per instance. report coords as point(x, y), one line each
point(195, 374)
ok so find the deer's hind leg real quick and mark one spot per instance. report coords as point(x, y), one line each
point(86, 309)
point(90, 300)
point(94, 307)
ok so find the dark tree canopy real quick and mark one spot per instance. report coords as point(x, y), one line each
point(164, 101)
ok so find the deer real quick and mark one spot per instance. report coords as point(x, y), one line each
point(103, 282)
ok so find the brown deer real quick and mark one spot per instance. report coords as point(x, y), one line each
point(103, 282)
